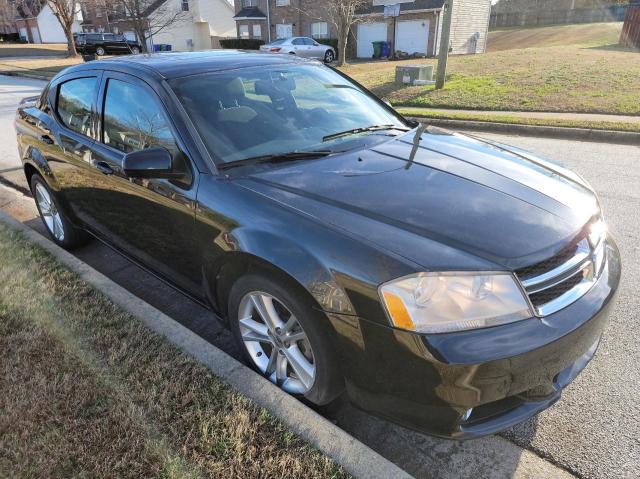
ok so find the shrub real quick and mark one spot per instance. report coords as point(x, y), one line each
point(241, 43)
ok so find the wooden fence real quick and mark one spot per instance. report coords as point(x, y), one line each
point(630, 36)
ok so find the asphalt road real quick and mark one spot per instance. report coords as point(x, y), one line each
point(592, 432)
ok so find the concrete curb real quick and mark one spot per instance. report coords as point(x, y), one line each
point(583, 134)
point(33, 76)
point(355, 457)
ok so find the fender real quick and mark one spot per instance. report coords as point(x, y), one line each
point(258, 247)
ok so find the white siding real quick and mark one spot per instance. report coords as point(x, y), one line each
point(50, 29)
point(205, 18)
point(469, 26)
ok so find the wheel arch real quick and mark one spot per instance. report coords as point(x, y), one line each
point(279, 257)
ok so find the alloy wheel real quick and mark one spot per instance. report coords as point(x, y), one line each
point(49, 212)
point(99, 51)
point(276, 342)
point(329, 57)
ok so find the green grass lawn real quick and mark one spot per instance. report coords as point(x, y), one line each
point(519, 120)
point(88, 391)
point(589, 76)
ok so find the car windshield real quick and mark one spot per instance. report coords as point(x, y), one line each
point(257, 112)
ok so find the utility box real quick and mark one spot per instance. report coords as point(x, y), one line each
point(410, 74)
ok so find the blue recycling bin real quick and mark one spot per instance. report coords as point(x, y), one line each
point(386, 49)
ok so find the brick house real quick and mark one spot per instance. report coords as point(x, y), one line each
point(416, 29)
point(271, 19)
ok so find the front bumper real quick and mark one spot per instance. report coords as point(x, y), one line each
point(474, 383)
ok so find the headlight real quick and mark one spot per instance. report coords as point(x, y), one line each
point(597, 232)
point(445, 302)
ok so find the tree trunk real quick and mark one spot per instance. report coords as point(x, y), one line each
point(71, 44)
point(342, 48)
point(140, 33)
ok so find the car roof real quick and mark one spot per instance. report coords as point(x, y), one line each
point(178, 64)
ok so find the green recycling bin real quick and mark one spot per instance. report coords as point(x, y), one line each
point(377, 49)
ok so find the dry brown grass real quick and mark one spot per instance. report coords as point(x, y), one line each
point(590, 34)
point(88, 391)
point(45, 67)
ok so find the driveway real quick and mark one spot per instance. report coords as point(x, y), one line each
point(12, 90)
point(593, 430)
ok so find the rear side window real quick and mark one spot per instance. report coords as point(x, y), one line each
point(134, 119)
point(75, 99)
point(298, 41)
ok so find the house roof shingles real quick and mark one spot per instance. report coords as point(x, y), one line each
point(250, 12)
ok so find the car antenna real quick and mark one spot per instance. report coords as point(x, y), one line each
point(416, 143)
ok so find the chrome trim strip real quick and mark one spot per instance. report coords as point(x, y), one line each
point(571, 296)
point(564, 270)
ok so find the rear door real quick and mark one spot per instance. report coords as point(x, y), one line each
point(150, 220)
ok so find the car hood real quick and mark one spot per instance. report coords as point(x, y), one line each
point(504, 206)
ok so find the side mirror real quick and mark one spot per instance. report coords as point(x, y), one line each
point(150, 163)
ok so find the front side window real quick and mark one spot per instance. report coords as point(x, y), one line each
point(74, 105)
point(253, 112)
point(134, 120)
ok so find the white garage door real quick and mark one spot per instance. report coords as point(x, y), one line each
point(413, 36)
point(368, 33)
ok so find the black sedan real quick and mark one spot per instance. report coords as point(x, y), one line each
point(447, 283)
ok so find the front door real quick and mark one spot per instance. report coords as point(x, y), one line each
point(284, 30)
point(151, 220)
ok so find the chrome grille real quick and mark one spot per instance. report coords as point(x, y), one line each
point(557, 282)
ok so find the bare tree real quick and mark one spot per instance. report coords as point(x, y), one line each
point(343, 15)
point(150, 17)
point(66, 12)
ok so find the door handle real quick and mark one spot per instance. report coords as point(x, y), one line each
point(46, 139)
point(104, 168)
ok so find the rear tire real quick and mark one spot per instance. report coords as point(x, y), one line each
point(58, 226)
point(100, 51)
point(135, 50)
point(302, 343)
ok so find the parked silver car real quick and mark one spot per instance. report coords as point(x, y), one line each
point(301, 46)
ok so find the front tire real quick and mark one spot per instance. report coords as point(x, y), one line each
point(284, 338)
point(135, 50)
point(100, 51)
point(58, 226)
point(329, 56)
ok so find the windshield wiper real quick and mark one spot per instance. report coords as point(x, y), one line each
point(280, 157)
point(364, 129)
